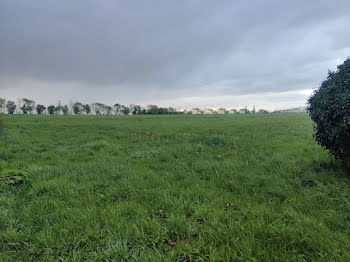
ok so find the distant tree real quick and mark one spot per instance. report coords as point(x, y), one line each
point(135, 109)
point(2, 105)
point(138, 109)
point(87, 109)
point(100, 109)
point(117, 107)
point(28, 106)
point(97, 108)
point(172, 110)
point(253, 111)
point(93, 109)
point(59, 108)
point(24, 109)
point(51, 109)
point(132, 109)
point(40, 109)
point(108, 110)
point(163, 110)
point(244, 110)
point(152, 109)
point(77, 108)
point(143, 111)
point(222, 111)
point(196, 111)
point(125, 110)
point(263, 111)
point(11, 107)
point(209, 111)
point(65, 110)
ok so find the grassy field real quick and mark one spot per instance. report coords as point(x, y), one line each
point(171, 188)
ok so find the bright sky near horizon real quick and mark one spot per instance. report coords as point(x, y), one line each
point(193, 53)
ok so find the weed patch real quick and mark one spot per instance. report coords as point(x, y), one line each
point(13, 177)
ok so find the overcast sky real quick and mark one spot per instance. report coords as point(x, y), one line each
point(182, 53)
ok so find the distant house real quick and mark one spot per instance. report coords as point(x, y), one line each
point(233, 111)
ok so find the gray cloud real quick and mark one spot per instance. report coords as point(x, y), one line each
point(140, 50)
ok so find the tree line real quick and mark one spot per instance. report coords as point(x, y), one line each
point(28, 106)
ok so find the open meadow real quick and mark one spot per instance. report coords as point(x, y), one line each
point(171, 188)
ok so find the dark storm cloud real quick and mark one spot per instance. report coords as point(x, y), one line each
point(173, 48)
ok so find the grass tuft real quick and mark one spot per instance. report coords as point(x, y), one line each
point(13, 177)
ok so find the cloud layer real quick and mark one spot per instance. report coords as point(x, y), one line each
point(169, 51)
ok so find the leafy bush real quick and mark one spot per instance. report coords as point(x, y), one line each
point(329, 108)
point(13, 177)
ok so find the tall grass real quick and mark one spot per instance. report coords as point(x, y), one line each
point(166, 188)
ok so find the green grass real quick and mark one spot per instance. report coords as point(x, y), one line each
point(221, 188)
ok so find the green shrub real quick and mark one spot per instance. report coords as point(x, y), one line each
point(329, 108)
point(13, 177)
